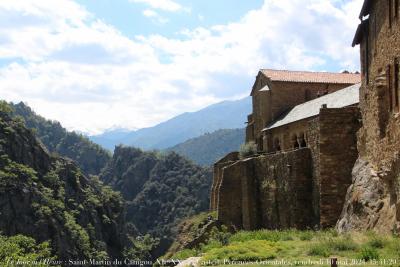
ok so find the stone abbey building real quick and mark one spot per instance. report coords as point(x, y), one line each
point(328, 143)
point(300, 175)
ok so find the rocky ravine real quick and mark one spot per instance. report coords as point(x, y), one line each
point(49, 198)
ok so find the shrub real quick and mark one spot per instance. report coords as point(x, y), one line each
point(332, 232)
point(222, 236)
point(319, 249)
point(377, 242)
point(185, 254)
point(248, 149)
point(368, 253)
point(212, 244)
point(342, 244)
point(141, 248)
point(306, 235)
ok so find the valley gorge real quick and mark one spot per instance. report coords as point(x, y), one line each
point(125, 205)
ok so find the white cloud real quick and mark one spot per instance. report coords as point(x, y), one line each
point(155, 16)
point(150, 13)
point(166, 5)
point(74, 68)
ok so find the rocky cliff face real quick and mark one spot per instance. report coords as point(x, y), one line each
point(371, 200)
point(49, 198)
point(160, 189)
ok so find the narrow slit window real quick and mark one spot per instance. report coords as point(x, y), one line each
point(375, 33)
point(390, 3)
point(396, 8)
point(389, 86)
point(396, 81)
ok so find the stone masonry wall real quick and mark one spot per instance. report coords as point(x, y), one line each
point(378, 143)
point(373, 200)
point(269, 191)
point(285, 135)
point(217, 177)
point(337, 155)
point(269, 105)
point(313, 143)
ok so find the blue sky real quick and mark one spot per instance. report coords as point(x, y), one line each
point(130, 21)
point(100, 64)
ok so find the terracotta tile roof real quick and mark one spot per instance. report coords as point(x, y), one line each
point(311, 77)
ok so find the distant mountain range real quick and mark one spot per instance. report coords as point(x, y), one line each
point(90, 157)
point(208, 148)
point(223, 115)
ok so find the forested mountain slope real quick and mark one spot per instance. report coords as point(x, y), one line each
point(48, 198)
point(161, 189)
point(207, 149)
point(91, 158)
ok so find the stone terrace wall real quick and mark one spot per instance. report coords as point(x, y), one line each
point(270, 191)
point(217, 176)
point(338, 153)
point(286, 189)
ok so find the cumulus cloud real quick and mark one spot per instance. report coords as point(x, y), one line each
point(166, 5)
point(72, 67)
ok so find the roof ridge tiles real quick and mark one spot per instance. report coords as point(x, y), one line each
point(311, 76)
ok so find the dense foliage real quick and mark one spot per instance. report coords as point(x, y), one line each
point(90, 157)
point(208, 148)
point(161, 189)
point(49, 199)
point(24, 249)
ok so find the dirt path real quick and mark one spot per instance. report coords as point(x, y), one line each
point(193, 261)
